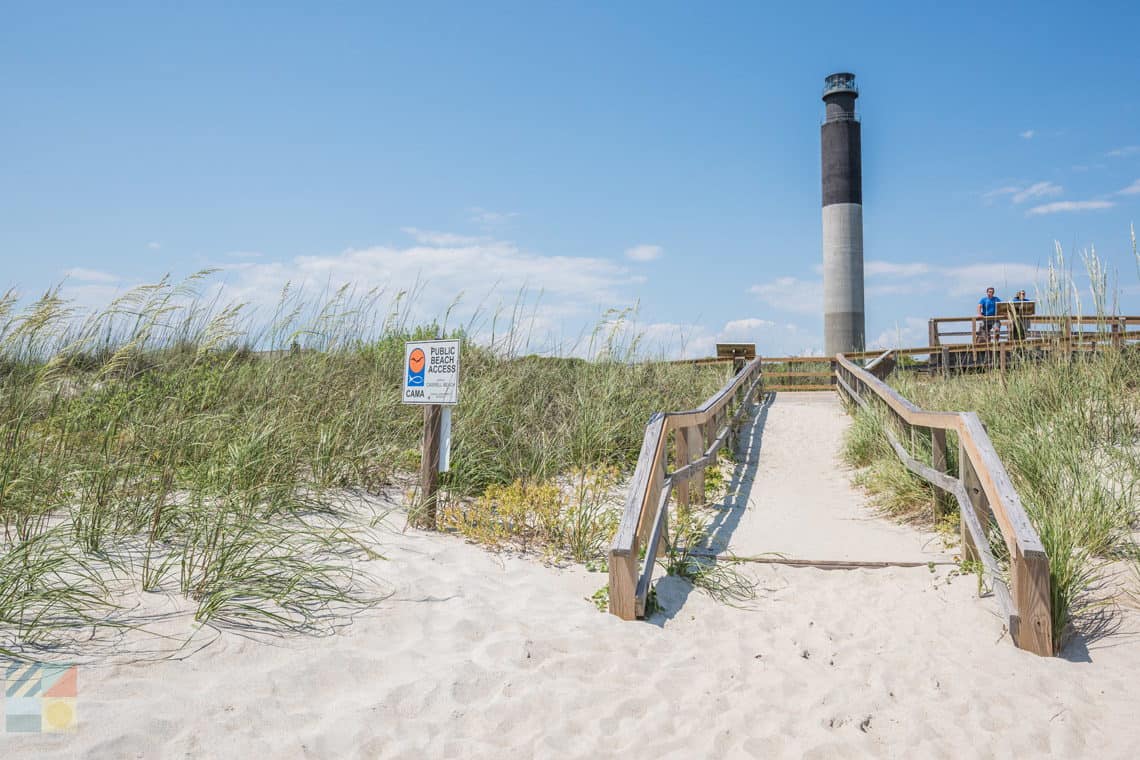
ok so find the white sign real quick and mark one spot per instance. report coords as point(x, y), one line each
point(431, 372)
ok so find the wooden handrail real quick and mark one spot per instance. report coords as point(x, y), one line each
point(982, 486)
point(645, 517)
point(796, 360)
point(1050, 326)
point(1083, 319)
point(717, 401)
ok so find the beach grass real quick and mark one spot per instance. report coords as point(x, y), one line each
point(1065, 424)
point(1068, 431)
point(190, 447)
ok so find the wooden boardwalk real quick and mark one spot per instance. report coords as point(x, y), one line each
point(798, 504)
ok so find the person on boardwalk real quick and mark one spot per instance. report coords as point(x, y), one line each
point(1017, 327)
point(987, 310)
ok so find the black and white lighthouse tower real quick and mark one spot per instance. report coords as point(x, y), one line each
point(843, 317)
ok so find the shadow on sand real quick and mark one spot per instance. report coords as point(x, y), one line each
point(672, 592)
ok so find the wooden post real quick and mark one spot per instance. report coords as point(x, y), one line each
point(696, 438)
point(974, 333)
point(425, 515)
point(730, 439)
point(623, 584)
point(681, 459)
point(945, 361)
point(977, 498)
point(652, 496)
point(1033, 625)
point(933, 333)
point(938, 462)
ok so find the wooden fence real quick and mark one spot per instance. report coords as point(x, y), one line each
point(982, 489)
point(698, 434)
point(799, 373)
point(1115, 330)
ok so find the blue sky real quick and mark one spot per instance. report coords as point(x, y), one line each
point(659, 154)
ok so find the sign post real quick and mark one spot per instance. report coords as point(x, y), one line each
point(431, 379)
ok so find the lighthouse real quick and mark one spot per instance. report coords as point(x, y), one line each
point(843, 315)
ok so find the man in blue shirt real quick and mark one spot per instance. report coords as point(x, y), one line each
point(987, 310)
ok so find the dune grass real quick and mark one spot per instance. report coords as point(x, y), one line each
point(1067, 428)
point(1068, 432)
point(191, 448)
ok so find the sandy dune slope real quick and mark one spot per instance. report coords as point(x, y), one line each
point(481, 655)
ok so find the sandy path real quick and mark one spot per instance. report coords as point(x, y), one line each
point(478, 655)
point(791, 496)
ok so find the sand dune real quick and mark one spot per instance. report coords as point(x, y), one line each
point(483, 655)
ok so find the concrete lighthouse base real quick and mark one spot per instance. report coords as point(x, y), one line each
point(843, 315)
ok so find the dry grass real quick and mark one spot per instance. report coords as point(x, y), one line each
point(193, 449)
point(1067, 429)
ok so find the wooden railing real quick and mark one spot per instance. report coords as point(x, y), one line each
point(1113, 330)
point(698, 435)
point(799, 373)
point(982, 488)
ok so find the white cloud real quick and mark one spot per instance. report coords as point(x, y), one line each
point(1133, 189)
point(1063, 206)
point(912, 331)
point(673, 340)
point(791, 294)
point(966, 279)
point(490, 218)
point(886, 278)
point(1037, 190)
point(1022, 193)
point(90, 275)
point(428, 237)
point(990, 196)
point(485, 283)
point(644, 252)
point(745, 327)
point(1027, 134)
point(1127, 150)
point(876, 268)
point(771, 339)
point(92, 289)
point(92, 295)
point(973, 278)
point(153, 245)
point(892, 289)
point(477, 279)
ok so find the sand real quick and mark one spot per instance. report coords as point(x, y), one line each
point(484, 655)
